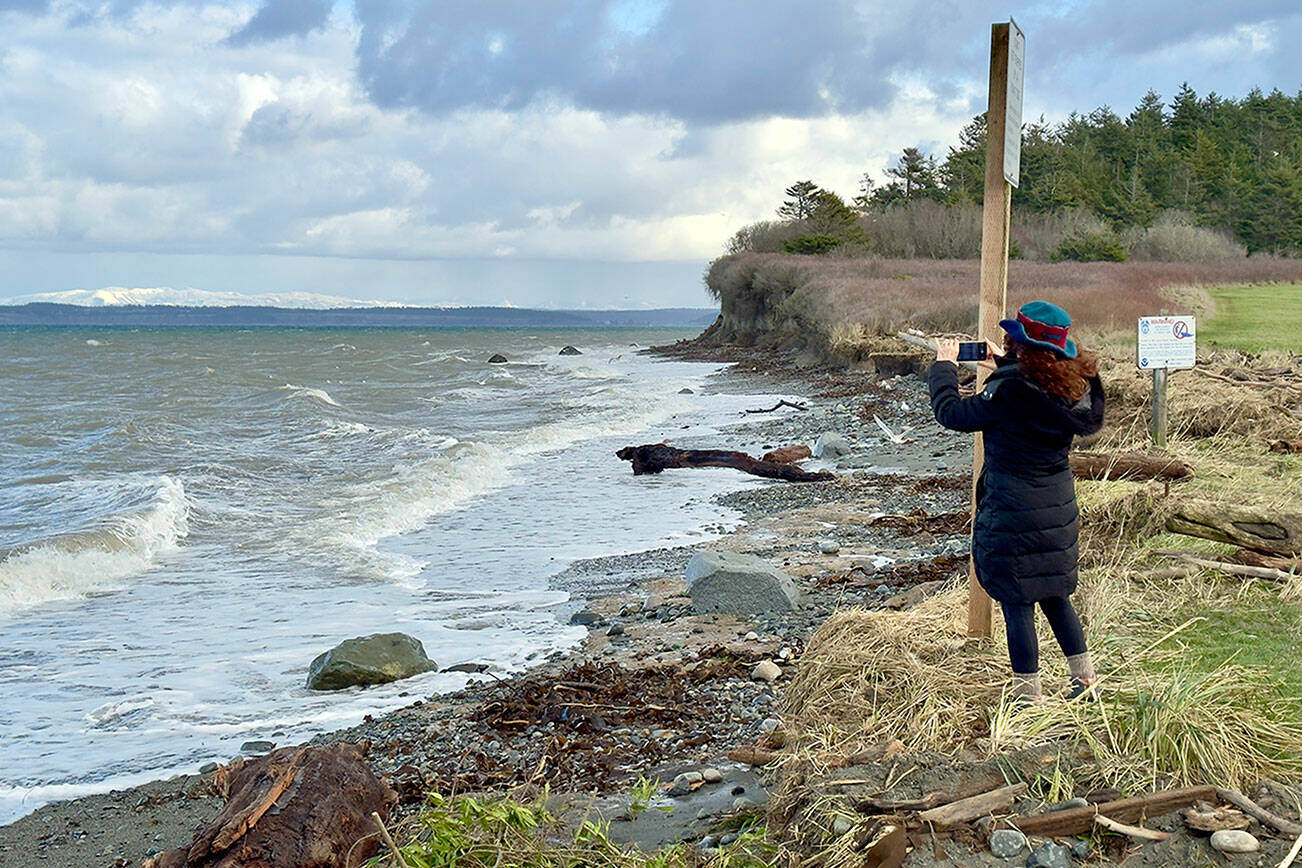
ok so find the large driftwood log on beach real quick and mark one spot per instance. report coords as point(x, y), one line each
point(299, 807)
point(1271, 531)
point(1126, 465)
point(655, 457)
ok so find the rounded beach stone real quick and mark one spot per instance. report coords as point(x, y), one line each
point(1050, 856)
point(829, 547)
point(257, 747)
point(1007, 843)
point(766, 670)
point(375, 659)
point(1234, 841)
point(711, 775)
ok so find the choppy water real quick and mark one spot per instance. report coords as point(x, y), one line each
point(188, 517)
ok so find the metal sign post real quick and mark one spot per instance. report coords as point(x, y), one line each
point(1003, 167)
point(1164, 343)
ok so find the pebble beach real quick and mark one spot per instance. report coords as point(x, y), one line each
point(888, 528)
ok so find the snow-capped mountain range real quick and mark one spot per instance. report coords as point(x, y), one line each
point(113, 296)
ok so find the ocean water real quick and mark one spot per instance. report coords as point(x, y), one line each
point(189, 516)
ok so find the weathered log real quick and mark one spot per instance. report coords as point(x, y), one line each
point(1127, 465)
point(788, 454)
point(1077, 821)
point(300, 807)
point(656, 457)
point(1271, 531)
point(966, 810)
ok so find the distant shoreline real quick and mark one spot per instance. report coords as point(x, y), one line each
point(247, 316)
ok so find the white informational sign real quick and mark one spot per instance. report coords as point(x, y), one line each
point(1013, 104)
point(1166, 342)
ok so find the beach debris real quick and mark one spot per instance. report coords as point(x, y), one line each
point(307, 807)
point(375, 659)
point(779, 405)
point(568, 350)
point(1206, 817)
point(788, 454)
point(719, 581)
point(497, 359)
point(1235, 841)
point(656, 457)
point(1286, 446)
point(830, 444)
point(1078, 821)
point(1252, 809)
point(969, 809)
point(1136, 832)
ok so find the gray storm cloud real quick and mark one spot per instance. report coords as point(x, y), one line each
point(280, 18)
point(699, 61)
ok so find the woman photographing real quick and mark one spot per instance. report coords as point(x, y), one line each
point(1042, 393)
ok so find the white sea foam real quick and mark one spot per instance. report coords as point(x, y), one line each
point(91, 342)
point(70, 566)
point(309, 392)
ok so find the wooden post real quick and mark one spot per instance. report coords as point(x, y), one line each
point(996, 216)
point(1159, 408)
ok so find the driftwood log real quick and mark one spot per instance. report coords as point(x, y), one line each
point(300, 807)
point(1078, 821)
point(1271, 531)
point(653, 458)
point(1127, 465)
point(788, 454)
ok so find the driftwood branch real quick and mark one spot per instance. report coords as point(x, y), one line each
point(1252, 809)
point(966, 810)
point(1077, 821)
point(1127, 465)
point(779, 405)
point(1132, 831)
point(657, 457)
point(967, 789)
point(1272, 531)
point(1269, 574)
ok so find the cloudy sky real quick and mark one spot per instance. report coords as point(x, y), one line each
point(537, 152)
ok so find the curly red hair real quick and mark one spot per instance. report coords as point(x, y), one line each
point(1066, 378)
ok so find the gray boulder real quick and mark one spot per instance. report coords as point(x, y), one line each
point(739, 584)
point(497, 359)
point(831, 445)
point(568, 350)
point(376, 659)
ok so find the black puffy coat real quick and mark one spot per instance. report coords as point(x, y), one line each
point(1024, 539)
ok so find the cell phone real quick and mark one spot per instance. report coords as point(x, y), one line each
point(972, 351)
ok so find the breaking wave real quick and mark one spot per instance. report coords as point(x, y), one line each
point(70, 566)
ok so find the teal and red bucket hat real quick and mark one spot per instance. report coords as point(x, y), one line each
point(1041, 324)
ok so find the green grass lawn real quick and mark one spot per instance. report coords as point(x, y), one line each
point(1255, 318)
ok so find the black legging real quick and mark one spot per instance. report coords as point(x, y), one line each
point(1023, 649)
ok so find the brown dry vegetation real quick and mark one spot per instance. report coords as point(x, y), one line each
point(831, 306)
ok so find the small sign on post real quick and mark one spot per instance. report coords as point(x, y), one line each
point(1164, 343)
point(1013, 104)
